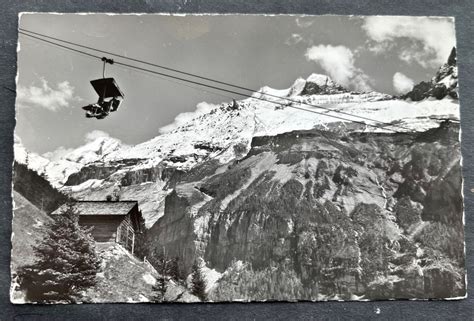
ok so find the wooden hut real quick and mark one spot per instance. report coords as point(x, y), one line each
point(112, 221)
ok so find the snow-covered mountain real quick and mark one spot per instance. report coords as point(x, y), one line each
point(105, 166)
point(213, 135)
point(57, 171)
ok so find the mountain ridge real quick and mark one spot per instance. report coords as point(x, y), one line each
point(105, 166)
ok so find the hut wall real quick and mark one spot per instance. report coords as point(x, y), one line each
point(104, 226)
point(126, 234)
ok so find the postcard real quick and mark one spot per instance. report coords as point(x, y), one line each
point(222, 158)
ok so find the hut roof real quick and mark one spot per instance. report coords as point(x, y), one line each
point(99, 207)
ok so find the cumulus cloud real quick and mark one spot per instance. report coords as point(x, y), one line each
point(402, 83)
point(304, 23)
point(294, 39)
point(181, 119)
point(430, 38)
point(45, 96)
point(93, 135)
point(338, 62)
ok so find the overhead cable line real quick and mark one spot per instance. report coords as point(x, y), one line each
point(179, 83)
point(208, 79)
point(241, 94)
point(215, 87)
point(62, 46)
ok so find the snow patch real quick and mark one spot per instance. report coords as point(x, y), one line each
point(142, 298)
point(320, 80)
point(201, 224)
point(87, 185)
point(211, 276)
point(38, 224)
point(149, 279)
point(257, 165)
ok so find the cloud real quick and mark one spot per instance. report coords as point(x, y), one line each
point(45, 96)
point(402, 83)
point(294, 39)
point(93, 135)
point(338, 62)
point(58, 153)
point(61, 152)
point(304, 23)
point(430, 38)
point(181, 119)
point(379, 47)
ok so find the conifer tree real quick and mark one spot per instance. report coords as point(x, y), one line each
point(159, 289)
point(198, 284)
point(66, 262)
point(168, 269)
point(173, 270)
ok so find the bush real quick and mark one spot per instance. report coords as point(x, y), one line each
point(166, 270)
point(447, 240)
point(406, 213)
point(240, 149)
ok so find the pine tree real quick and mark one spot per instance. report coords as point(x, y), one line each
point(66, 262)
point(198, 286)
point(168, 269)
point(159, 289)
point(173, 269)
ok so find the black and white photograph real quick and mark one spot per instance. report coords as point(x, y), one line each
point(236, 158)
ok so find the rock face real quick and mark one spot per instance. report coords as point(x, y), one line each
point(378, 215)
point(321, 85)
point(445, 83)
point(36, 189)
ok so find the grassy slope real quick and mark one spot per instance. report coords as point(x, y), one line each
point(124, 278)
point(28, 229)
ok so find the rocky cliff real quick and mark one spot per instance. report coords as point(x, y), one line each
point(358, 214)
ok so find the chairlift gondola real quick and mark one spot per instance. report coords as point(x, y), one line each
point(110, 95)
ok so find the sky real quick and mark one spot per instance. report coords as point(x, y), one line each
point(385, 54)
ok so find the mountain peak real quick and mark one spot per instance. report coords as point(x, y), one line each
point(452, 60)
point(320, 80)
point(445, 83)
point(318, 84)
point(94, 150)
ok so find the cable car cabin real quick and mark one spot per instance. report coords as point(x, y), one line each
point(112, 221)
point(110, 98)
